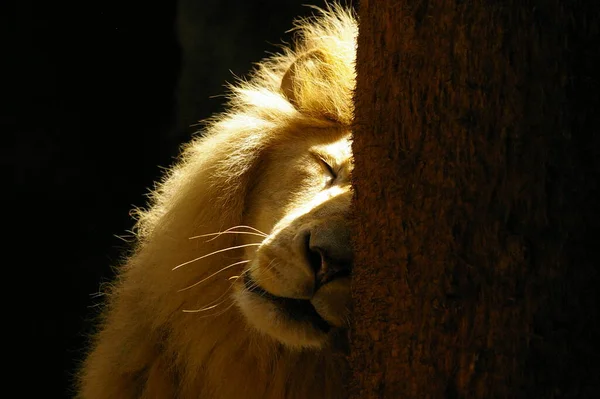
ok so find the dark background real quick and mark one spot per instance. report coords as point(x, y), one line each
point(98, 96)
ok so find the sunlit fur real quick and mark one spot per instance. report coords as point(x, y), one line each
point(253, 165)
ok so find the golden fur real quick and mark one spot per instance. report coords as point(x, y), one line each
point(178, 323)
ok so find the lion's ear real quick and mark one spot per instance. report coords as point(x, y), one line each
point(320, 84)
point(308, 69)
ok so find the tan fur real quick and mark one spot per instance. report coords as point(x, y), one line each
point(254, 165)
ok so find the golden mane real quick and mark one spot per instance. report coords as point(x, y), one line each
point(148, 346)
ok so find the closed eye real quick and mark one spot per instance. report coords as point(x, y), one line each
point(328, 169)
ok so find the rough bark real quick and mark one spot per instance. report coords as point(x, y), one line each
point(477, 158)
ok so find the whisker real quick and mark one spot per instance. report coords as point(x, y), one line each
point(203, 309)
point(216, 252)
point(213, 306)
point(248, 227)
point(218, 299)
point(270, 265)
point(214, 274)
point(220, 313)
point(252, 286)
point(231, 231)
point(217, 235)
point(261, 272)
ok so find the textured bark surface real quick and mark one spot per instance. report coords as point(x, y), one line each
point(476, 173)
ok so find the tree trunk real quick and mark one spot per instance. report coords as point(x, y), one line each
point(477, 158)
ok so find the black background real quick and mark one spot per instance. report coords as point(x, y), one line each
point(98, 96)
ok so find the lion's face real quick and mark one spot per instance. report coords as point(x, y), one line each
point(296, 287)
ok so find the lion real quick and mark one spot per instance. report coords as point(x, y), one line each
point(239, 282)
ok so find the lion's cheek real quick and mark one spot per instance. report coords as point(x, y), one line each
point(278, 270)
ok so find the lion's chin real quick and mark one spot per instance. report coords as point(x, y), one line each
point(293, 322)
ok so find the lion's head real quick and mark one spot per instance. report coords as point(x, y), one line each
point(242, 269)
point(296, 286)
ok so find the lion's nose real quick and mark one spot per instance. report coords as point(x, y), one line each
point(328, 251)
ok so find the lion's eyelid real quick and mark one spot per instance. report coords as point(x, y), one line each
point(327, 164)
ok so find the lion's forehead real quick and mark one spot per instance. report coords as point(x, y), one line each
point(340, 150)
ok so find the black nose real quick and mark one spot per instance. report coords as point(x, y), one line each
point(329, 254)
